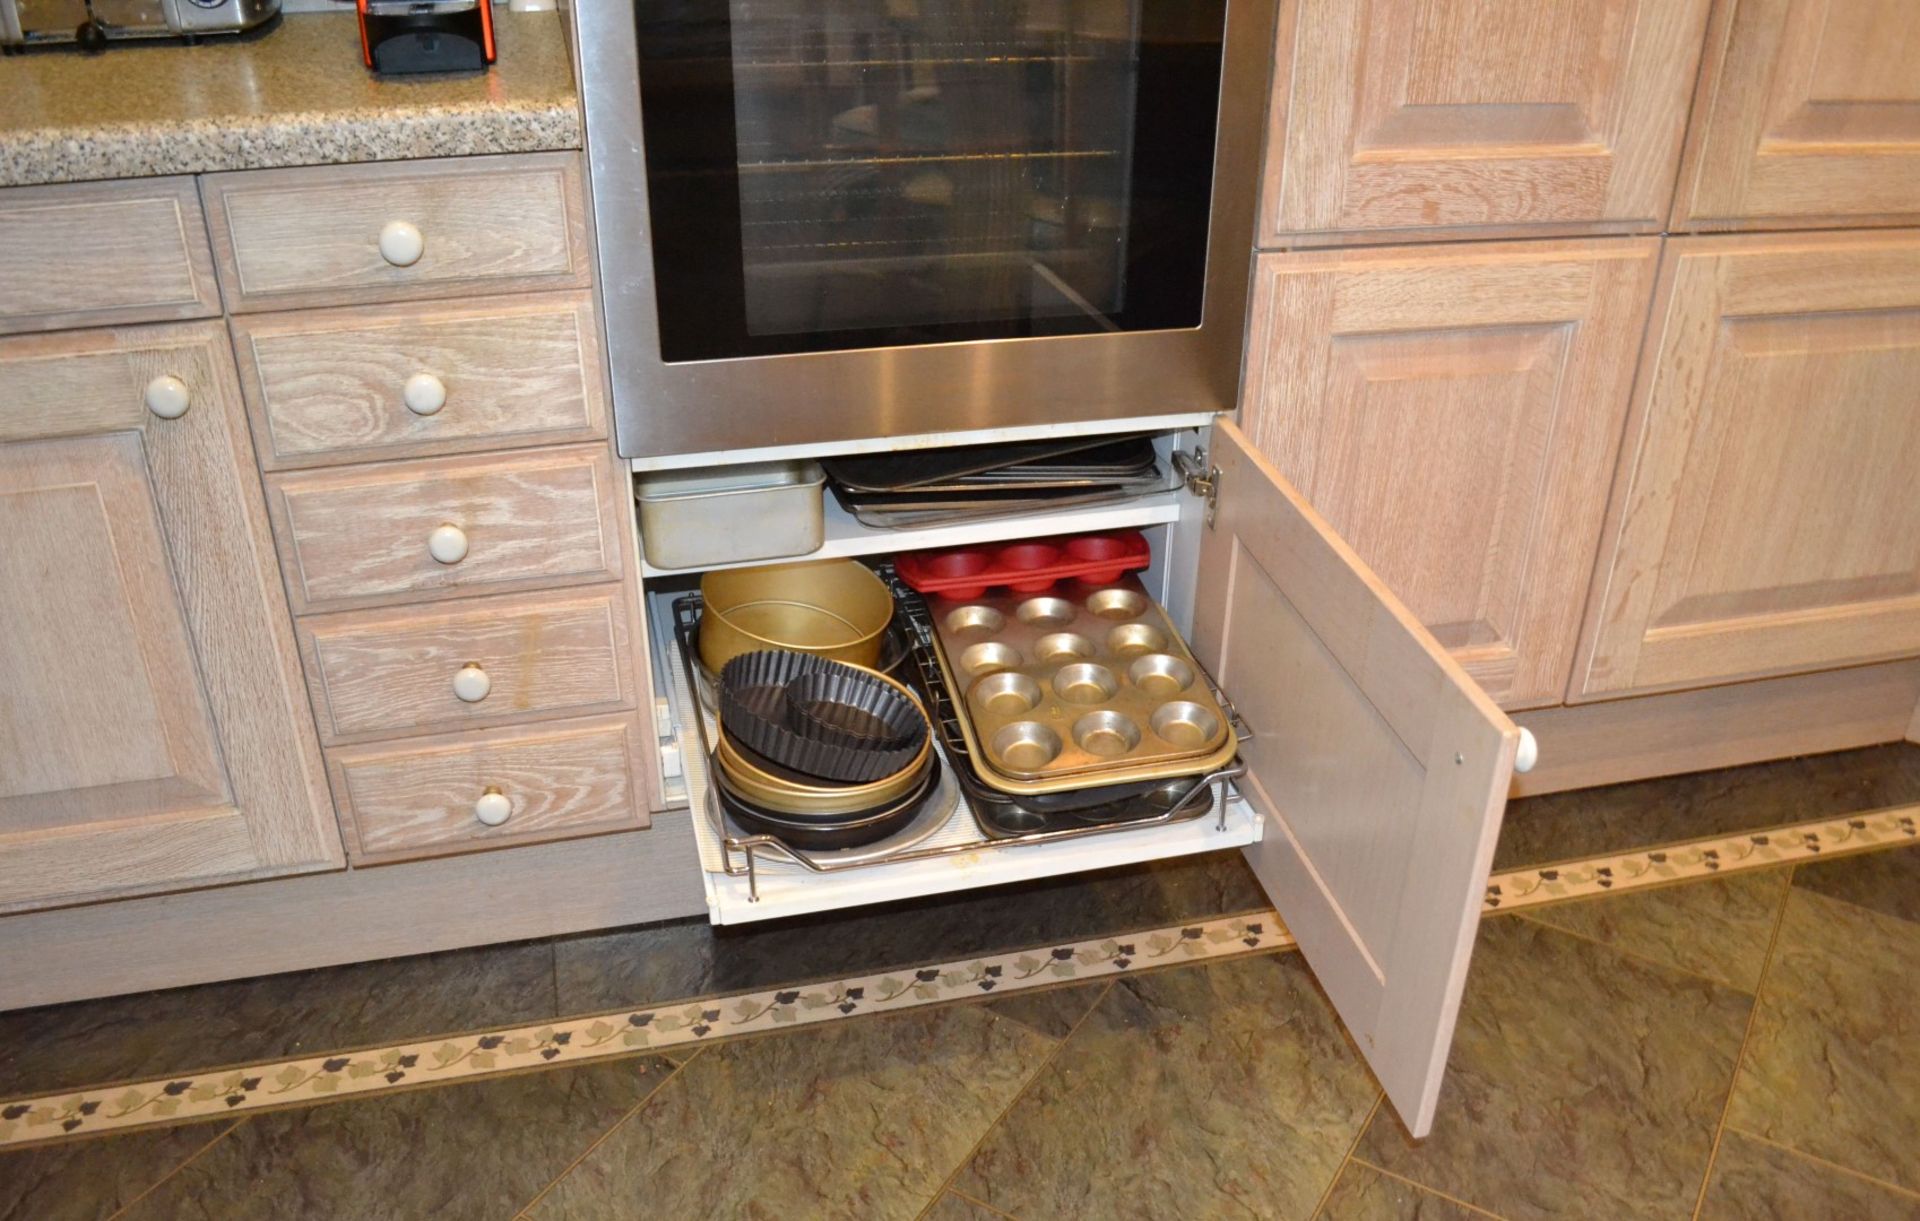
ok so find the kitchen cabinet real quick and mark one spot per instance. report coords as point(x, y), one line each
point(1377, 770)
point(1763, 517)
point(1454, 413)
point(154, 731)
point(1807, 116)
point(1468, 118)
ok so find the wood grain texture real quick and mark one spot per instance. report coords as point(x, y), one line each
point(92, 254)
point(324, 387)
point(1451, 115)
point(413, 798)
point(357, 536)
point(384, 673)
point(107, 497)
point(1763, 519)
point(1614, 741)
point(309, 237)
point(1380, 766)
point(1807, 114)
point(323, 919)
point(1454, 412)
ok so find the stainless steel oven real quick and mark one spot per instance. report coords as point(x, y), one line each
point(822, 220)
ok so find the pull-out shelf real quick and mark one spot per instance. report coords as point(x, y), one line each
point(745, 884)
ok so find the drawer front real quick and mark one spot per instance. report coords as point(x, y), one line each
point(403, 381)
point(93, 254)
point(425, 797)
point(361, 536)
point(468, 664)
point(340, 235)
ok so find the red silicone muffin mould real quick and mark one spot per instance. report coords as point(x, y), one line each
point(1028, 566)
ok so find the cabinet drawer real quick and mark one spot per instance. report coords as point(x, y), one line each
point(359, 536)
point(423, 797)
point(468, 664)
point(92, 254)
point(337, 235)
point(401, 381)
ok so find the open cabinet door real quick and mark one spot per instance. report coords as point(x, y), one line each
point(1381, 768)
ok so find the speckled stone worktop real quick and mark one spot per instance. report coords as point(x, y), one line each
point(297, 94)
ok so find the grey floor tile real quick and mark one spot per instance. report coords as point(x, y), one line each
point(656, 963)
point(95, 1178)
point(863, 1118)
point(1053, 1012)
point(1645, 813)
point(1887, 882)
point(1582, 1082)
point(1365, 1194)
point(158, 1033)
point(1830, 1066)
point(1194, 1092)
point(1717, 927)
point(480, 1149)
point(1755, 1181)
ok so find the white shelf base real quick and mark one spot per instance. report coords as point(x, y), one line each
point(847, 537)
point(786, 889)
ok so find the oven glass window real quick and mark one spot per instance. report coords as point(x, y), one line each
point(835, 174)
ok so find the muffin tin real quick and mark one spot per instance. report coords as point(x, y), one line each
point(1030, 566)
point(1086, 684)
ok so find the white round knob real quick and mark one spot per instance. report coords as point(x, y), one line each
point(1527, 753)
point(401, 243)
point(493, 808)
point(448, 544)
point(168, 397)
point(424, 394)
point(471, 684)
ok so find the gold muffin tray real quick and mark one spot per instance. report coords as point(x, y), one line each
point(1078, 686)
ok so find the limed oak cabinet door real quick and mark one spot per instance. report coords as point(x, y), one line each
point(1476, 116)
point(154, 731)
point(1808, 115)
point(1454, 412)
point(1764, 519)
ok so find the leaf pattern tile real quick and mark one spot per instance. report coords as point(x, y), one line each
point(1670, 809)
point(856, 1119)
point(158, 1033)
point(651, 965)
point(1830, 1067)
point(477, 1150)
point(89, 1180)
point(1185, 1093)
point(1885, 882)
point(1719, 927)
point(1755, 1181)
point(1581, 1082)
point(1364, 1194)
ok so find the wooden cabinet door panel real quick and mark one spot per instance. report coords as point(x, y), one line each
point(1764, 520)
point(1380, 767)
point(1808, 114)
point(1454, 414)
point(1421, 114)
point(154, 732)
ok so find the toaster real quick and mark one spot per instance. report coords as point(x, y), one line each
point(94, 23)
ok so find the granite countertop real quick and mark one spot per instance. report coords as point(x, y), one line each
point(296, 94)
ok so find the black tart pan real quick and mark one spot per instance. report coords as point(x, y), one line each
point(820, 718)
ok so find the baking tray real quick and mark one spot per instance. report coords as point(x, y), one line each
point(1083, 685)
point(897, 472)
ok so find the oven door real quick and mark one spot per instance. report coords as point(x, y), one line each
point(823, 220)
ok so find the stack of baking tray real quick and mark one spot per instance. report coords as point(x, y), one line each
point(936, 487)
point(1103, 773)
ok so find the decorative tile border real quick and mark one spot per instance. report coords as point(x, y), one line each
point(597, 1036)
point(1703, 858)
point(576, 1040)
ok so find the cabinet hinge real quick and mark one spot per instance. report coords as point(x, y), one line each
point(1199, 477)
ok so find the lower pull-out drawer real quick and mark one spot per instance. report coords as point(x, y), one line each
point(433, 796)
point(468, 664)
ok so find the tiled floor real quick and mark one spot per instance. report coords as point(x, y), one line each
point(1742, 1046)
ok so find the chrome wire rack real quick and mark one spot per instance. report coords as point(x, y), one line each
point(742, 855)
